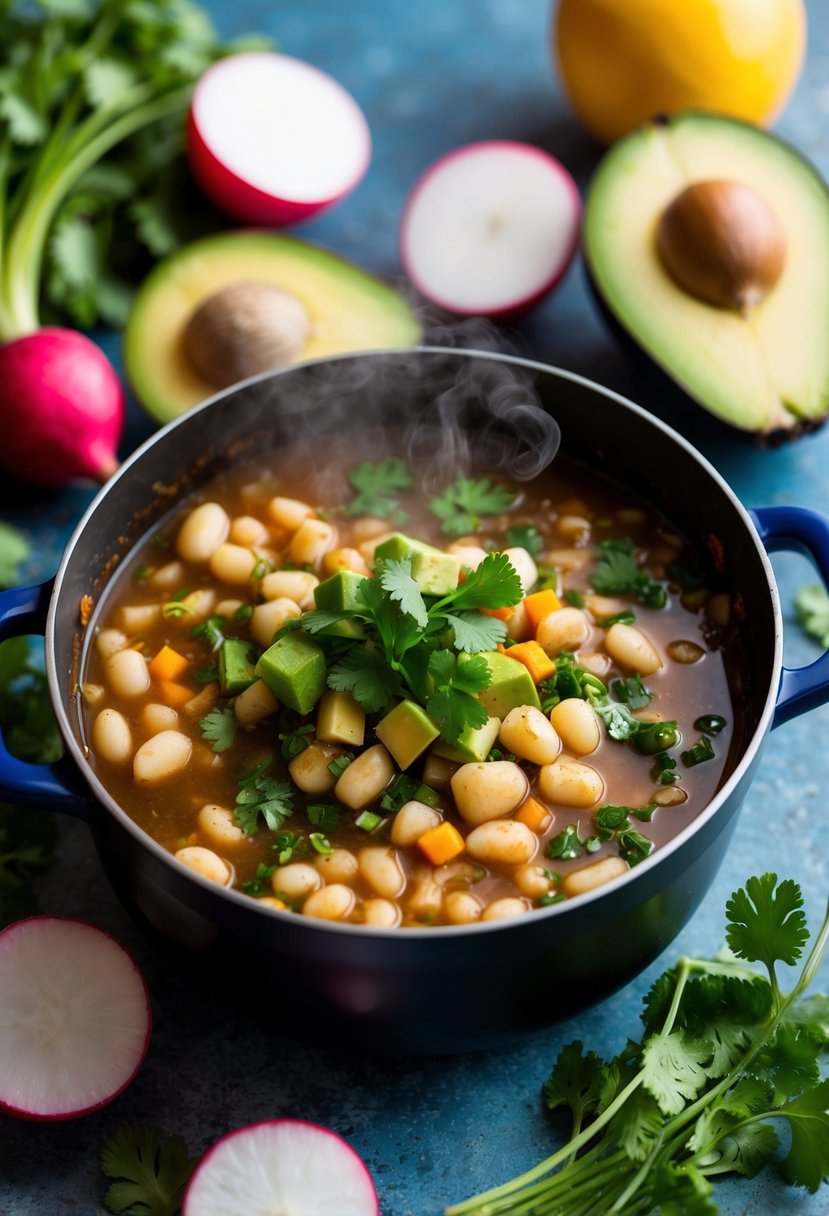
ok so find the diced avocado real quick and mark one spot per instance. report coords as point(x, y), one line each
point(339, 592)
point(344, 629)
point(472, 744)
point(511, 684)
point(294, 670)
point(237, 670)
point(406, 732)
point(340, 719)
point(398, 546)
point(436, 573)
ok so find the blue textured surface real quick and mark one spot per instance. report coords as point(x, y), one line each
point(430, 77)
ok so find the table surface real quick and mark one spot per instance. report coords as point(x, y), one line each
point(432, 76)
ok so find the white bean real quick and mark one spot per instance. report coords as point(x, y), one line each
point(470, 556)
point(197, 607)
point(309, 770)
point(112, 737)
point(249, 531)
point(502, 841)
point(597, 664)
point(577, 724)
point(524, 566)
point(425, 898)
point(232, 564)
point(217, 824)
point(92, 694)
point(488, 790)
point(573, 527)
point(206, 863)
point(411, 821)
point(138, 618)
point(334, 902)
point(631, 648)
point(568, 782)
point(268, 618)
point(594, 875)
point(127, 674)
point(528, 734)
point(338, 866)
point(296, 585)
point(565, 629)
point(532, 881)
point(156, 718)
point(166, 754)
point(297, 880)
point(167, 577)
point(567, 559)
point(437, 772)
point(311, 541)
point(202, 532)
point(344, 559)
point(505, 908)
point(380, 868)
point(289, 513)
point(519, 626)
point(202, 702)
point(255, 703)
point(228, 607)
point(381, 913)
point(462, 907)
point(367, 527)
point(365, 778)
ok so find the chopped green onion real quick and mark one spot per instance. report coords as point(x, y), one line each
point(626, 617)
point(656, 737)
point(368, 821)
point(243, 613)
point(320, 843)
point(699, 753)
point(547, 901)
point(710, 724)
point(323, 815)
point(338, 766)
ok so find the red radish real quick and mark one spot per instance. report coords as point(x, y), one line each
point(74, 1018)
point(61, 408)
point(284, 1167)
point(272, 140)
point(490, 228)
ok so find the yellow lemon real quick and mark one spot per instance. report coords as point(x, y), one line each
point(622, 61)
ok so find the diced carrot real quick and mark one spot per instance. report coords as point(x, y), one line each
point(441, 844)
point(168, 664)
point(540, 604)
point(534, 815)
point(501, 614)
point(535, 658)
point(173, 694)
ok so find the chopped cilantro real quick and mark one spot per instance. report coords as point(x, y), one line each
point(141, 573)
point(288, 846)
point(207, 675)
point(524, 536)
point(632, 691)
point(552, 897)
point(462, 505)
point(574, 598)
point(295, 741)
point(260, 884)
point(566, 845)
point(262, 795)
point(407, 789)
point(219, 728)
point(617, 573)
point(210, 631)
point(378, 484)
point(454, 704)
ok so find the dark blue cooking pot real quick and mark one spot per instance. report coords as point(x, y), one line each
point(431, 989)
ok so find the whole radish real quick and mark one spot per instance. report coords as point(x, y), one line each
point(61, 408)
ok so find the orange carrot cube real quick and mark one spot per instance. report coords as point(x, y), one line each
point(441, 843)
point(500, 614)
point(540, 604)
point(535, 658)
point(534, 815)
point(168, 664)
point(175, 695)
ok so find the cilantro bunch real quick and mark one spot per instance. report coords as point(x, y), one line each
point(725, 1059)
point(93, 95)
point(420, 647)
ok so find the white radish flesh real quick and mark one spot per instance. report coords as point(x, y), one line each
point(74, 1018)
point(282, 1166)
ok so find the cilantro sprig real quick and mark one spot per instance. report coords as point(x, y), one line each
point(262, 795)
point(461, 506)
point(379, 484)
point(725, 1058)
point(617, 573)
point(150, 1171)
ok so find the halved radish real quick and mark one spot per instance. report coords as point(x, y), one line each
point(490, 228)
point(282, 1166)
point(272, 139)
point(74, 1018)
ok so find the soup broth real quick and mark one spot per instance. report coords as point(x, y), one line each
point(358, 699)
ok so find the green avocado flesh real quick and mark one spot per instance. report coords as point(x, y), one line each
point(767, 373)
point(348, 309)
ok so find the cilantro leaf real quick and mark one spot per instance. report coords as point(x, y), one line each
point(494, 584)
point(632, 691)
point(812, 605)
point(575, 1082)
point(151, 1172)
point(617, 573)
point(673, 1066)
point(766, 922)
point(364, 672)
point(461, 505)
point(454, 705)
point(219, 728)
point(807, 1162)
point(525, 536)
point(262, 795)
point(378, 484)
point(474, 631)
point(396, 579)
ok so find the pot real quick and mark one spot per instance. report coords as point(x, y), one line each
point(438, 989)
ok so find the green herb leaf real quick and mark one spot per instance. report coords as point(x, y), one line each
point(462, 505)
point(378, 484)
point(365, 673)
point(475, 632)
point(575, 1082)
point(524, 536)
point(673, 1068)
point(632, 691)
point(262, 795)
point(151, 1172)
point(617, 573)
point(566, 845)
point(396, 579)
point(493, 584)
point(766, 922)
point(807, 1162)
point(454, 705)
point(219, 728)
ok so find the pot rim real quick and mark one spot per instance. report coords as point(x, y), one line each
point(443, 932)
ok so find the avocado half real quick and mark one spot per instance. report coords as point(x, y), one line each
point(349, 310)
point(766, 372)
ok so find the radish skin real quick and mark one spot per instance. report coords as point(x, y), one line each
point(75, 1018)
point(62, 408)
point(283, 1166)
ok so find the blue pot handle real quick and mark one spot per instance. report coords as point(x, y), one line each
point(53, 787)
point(801, 688)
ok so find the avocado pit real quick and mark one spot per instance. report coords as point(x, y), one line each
point(244, 329)
point(723, 244)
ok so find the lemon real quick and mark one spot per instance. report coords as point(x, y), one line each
point(622, 61)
